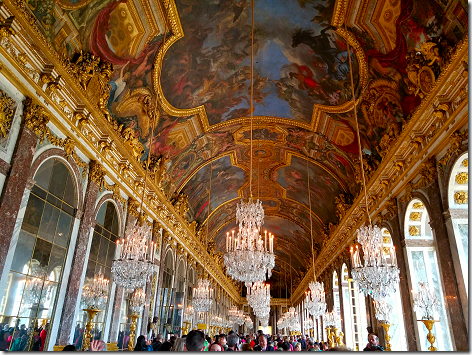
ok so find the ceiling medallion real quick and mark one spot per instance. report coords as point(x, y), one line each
point(462, 178)
point(415, 216)
point(461, 197)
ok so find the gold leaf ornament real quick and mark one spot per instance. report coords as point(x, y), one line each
point(461, 197)
point(462, 178)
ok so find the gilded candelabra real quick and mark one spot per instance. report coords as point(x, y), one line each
point(330, 337)
point(185, 328)
point(339, 338)
point(132, 329)
point(88, 328)
point(386, 327)
point(431, 338)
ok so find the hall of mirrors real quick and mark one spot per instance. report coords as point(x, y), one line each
point(129, 160)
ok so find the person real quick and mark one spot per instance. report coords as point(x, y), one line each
point(222, 341)
point(70, 347)
point(97, 345)
point(310, 346)
point(373, 344)
point(286, 346)
point(179, 344)
point(152, 328)
point(195, 341)
point(263, 344)
point(232, 342)
point(298, 347)
point(156, 345)
point(246, 347)
point(166, 346)
point(43, 334)
point(142, 344)
point(303, 342)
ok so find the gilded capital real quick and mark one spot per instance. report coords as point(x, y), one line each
point(6, 113)
point(96, 173)
point(35, 116)
point(133, 206)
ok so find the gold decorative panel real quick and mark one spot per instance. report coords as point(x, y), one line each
point(386, 250)
point(386, 240)
point(415, 216)
point(462, 178)
point(461, 197)
point(386, 232)
point(418, 205)
point(414, 231)
point(6, 113)
point(465, 162)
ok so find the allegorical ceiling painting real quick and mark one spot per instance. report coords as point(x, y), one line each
point(302, 96)
point(299, 60)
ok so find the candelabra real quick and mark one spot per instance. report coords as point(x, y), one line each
point(331, 319)
point(94, 298)
point(383, 311)
point(315, 302)
point(426, 304)
point(188, 319)
point(136, 304)
point(378, 275)
point(202, 296)
point(135, 262)
point(249, 257)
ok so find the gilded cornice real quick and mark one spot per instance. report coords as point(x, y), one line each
point(75, 115)
point(406, 158)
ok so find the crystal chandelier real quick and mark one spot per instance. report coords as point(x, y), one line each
point(308, 323)
point(331, 319)
point(258, 295)
point(425, 301)
point(136, 301)
point(249, 257)
point(36, 286)
point(236, 316)
point(188, 313)
point(95, 292)
point(383, 310)
point(135, 263)
point(291, 317)
point(315, 302)
point(248, 322)
point(264, 320)
point(378, 275)
point(202, 296)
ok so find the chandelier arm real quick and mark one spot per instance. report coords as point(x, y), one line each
point(357, 130)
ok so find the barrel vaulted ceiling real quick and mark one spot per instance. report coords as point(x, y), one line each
point(303, 118)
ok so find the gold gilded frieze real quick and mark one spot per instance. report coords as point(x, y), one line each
point(6, 113)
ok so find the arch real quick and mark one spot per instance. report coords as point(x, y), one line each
point(423, 266)
point(449, 171)
point(108, 196)
point(70, 163)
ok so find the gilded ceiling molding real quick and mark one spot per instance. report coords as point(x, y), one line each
point(96, 173)
point(456, 139)
point(35, 116)
point(450, 87)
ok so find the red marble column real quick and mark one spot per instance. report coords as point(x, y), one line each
point(66, 325)
point(14, 188)
point(398, 239)
point(451, 293)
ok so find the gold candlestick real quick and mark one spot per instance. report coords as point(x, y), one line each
point(330, 337)
point(431, 338)
point(88, 328)
point(386, 327)
point(132, 329)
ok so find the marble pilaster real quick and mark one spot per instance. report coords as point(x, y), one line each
point(452, 300)
point(14, 188)
point(79, 263)
point(398, 240)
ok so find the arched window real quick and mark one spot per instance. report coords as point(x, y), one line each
point(101, 255)
point(397, 328)
point(458, 196)
point(167, 296)
point(423, 267)
point(38, 262)
point(337, 304)
point(179, 295)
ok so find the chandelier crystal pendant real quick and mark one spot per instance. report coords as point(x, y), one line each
point(95, 293)
point(202, 296)
point(135, 263)
point(249, 257)
point(315, 302)
point(378, 275)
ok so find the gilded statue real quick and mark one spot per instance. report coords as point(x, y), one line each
point(181, 204)
point(133, 142)
point(343, 203)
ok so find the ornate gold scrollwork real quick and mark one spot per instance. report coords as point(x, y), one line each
point(6, 29)
point(343, 203)
point(35, 116)
point(133, 206)
point(418, 205)
point(97, 173)
point(456, 140)
point(415, 216)
point(52, 85)
point(181, 204)
point(6, 113)
point(465, 162)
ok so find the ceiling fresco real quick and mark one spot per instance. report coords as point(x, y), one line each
point(302, 95)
